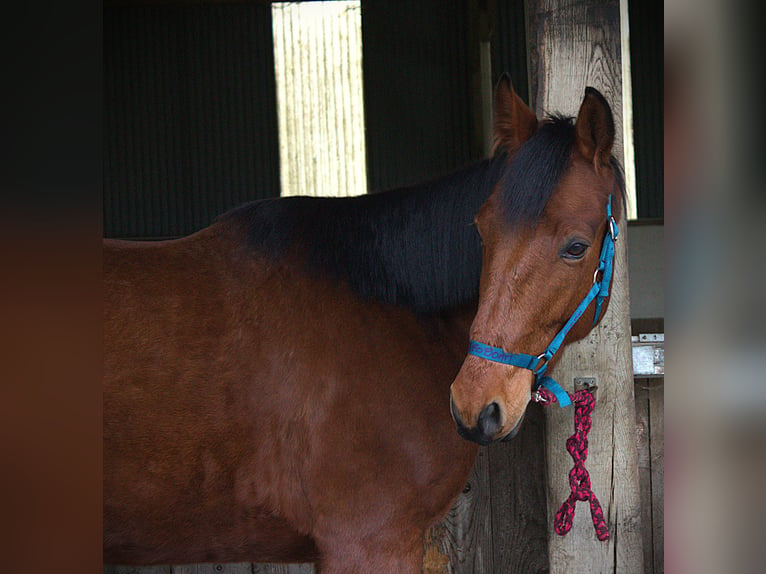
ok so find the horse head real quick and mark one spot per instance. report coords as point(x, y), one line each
point(544, 233)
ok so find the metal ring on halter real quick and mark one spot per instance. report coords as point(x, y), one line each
point(542, 360)
point(595, 273)
point(613, 228)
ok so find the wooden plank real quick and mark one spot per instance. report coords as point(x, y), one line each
point(657, 450)
point(109, 569)
point(209, 568)
point(518, 488)
point(644, 471)
point(283, 569)
point(577, 45)
point(462, 542)
point(499, 522)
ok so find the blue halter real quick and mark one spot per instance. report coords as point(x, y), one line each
point(599, 291)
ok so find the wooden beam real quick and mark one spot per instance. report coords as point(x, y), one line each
point(578, 44)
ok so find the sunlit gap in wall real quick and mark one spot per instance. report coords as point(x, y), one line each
point(318, 66)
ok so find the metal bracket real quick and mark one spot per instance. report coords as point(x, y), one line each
point(652, 338)
point(587, 384)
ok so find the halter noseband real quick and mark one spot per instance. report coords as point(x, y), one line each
point(599, 291)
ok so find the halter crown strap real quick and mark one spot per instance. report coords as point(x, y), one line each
point(599, 291)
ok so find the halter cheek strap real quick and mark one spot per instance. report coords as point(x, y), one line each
point(602, 278)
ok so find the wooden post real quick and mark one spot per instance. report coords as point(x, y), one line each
point(574, 45)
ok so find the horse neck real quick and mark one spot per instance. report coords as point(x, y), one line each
point(414, 247)
point(426, 252)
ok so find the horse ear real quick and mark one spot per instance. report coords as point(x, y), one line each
point(595, 128)
point(514, 121)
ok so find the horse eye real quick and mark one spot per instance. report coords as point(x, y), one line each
point(575, 250)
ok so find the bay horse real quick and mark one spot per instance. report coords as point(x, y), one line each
point(277, 386)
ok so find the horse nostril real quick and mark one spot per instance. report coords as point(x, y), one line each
point(489, 420)
point(487, 425)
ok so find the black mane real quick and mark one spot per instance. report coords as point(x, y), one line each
point(529, 182)
point(415, 246)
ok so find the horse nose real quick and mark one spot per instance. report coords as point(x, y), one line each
point(489, 421)
point(487, 425)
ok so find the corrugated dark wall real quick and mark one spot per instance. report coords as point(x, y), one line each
point(418, 89)
point(647, 63)
point(189, 115)
point(190, 103)
point(509, 45)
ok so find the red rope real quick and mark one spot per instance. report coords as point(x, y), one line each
point(579, 479)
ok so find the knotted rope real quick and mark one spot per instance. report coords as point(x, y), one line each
point(579, 479)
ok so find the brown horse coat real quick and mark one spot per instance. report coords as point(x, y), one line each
point(250, 413)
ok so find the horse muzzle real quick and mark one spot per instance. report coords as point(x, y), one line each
point(488, 425)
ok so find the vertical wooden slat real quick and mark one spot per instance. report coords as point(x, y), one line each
point(499, 523)
point(579, 45)
point(464, 537)
point(628, 139)
point(208, 568)
point(657, 448)
point(283, 569)
point(650, 431)
point(319, 91)
point(643, 438)
point(518, 489)
point(108, 569)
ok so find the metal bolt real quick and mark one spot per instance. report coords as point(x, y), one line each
point(587, 384)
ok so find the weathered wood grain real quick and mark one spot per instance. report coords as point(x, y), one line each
point(517, 492)
point(499, 523)
point(208, 568)
point(283, 569)
point(464, 536)
point(650, 439)
point(234, 568)
point(644, 471)
point(657, 450)
point(108, 569)
point(578, 44)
